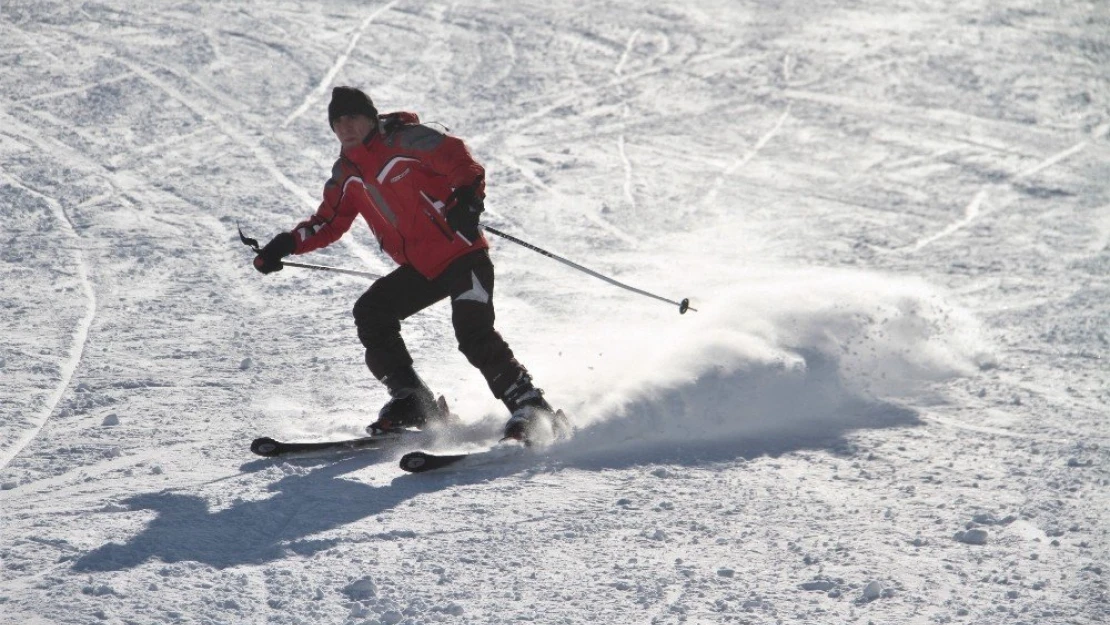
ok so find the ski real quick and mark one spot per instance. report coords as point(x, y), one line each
point(423, 461)
point(271, 448)
point(558, 429)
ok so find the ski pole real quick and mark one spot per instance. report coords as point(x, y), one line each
point(683, 306)
point(349, 272)
point(253, 244)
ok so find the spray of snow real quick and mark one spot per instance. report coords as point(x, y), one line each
point(784, 354)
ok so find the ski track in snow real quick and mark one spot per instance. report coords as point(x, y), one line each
point(243, 140)
point(327, 82)
point(971, 213)
point(628, 177)
point(80, 334)
point(259, 153)
point(715, 189)
point(975, 208)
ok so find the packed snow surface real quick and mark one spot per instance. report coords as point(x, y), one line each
point(890, 406)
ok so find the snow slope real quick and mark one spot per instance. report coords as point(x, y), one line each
point(890, 407)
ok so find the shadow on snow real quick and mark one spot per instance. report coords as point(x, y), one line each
point(719, 416)
point(257, 532)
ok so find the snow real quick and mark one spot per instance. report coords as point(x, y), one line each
point(892, 217)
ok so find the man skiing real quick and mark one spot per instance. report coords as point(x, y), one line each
point(422, 194)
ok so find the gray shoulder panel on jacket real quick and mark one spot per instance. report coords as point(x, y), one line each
point(419, 137)
point(336, 172)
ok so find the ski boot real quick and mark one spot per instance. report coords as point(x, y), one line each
point(411, 404)
point(533, 419)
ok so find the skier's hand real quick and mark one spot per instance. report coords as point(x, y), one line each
point(391, 122)
point(269, 257)
point(464, 214)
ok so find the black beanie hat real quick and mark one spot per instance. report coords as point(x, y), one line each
point(350, 101)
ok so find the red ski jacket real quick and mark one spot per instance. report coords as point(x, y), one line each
point(398, 180)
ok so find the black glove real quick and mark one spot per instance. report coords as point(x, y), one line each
point(390, 122)
point(468, 205)
point(269, 257)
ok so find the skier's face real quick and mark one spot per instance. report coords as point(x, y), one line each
point(351, 130)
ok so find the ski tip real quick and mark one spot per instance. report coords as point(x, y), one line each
point(414, 462)
point(265, 446)
point(420, 461)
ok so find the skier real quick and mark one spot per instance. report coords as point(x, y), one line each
point(422, 194)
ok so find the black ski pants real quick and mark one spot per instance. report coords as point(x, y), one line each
point(404, 292)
